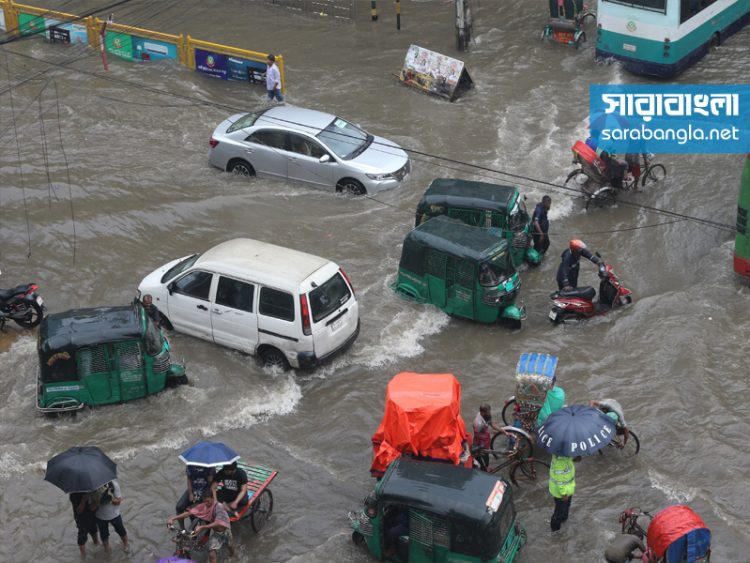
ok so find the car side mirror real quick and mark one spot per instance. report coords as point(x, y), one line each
point(170, 287)
point(325, 158)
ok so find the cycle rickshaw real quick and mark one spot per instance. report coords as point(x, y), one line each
point(595, 175)
point(566, 21)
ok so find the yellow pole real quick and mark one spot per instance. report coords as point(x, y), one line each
point(280, 62)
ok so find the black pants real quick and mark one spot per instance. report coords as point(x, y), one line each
point(86, 524)
point(117, 524)
point(183, 503)
point(560, 515)
point(540, 245)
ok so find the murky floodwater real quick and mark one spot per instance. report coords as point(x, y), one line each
point(143, 193)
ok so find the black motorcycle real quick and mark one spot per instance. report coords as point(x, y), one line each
point(22, 305)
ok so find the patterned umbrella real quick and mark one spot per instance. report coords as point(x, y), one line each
point(575, 430)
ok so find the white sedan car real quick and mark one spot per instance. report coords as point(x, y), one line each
point(310, 146)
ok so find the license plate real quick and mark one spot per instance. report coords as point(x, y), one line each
point(553, 314)
point(39, 300)
point(337, 324)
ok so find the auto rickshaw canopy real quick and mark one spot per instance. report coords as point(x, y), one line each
point(422, 417)
point(84, 327)
point(453, 237)
point(452, 192)
point(678, 534)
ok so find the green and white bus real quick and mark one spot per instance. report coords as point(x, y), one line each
point(664, 37)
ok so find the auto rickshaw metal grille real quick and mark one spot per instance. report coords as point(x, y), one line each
point(92, 360)
point(129, 354)
point(161, 362)
point(465, 274)
point(435, 263)
point(520, 240)
point(428, 531)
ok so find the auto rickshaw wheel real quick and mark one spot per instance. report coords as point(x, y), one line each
point(262, 509)
point(358, 538)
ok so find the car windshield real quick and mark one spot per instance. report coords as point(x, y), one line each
point(501, 265)
point(345, 139)
point(180, 267)
point(154, 339)
point(246, 120)
point(327, 298)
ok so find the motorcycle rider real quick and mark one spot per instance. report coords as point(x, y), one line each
point(567, 273)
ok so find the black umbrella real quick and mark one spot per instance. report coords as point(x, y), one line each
point(81, 469)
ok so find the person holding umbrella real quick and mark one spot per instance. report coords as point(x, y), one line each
point(80, 471)
point(568, 434)
point(84, 510)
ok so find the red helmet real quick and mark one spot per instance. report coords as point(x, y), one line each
point(577, 245)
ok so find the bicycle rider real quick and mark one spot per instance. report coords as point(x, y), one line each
point(482, 439)
point(613, 410)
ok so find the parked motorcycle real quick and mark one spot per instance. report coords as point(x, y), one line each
point(22, 305)
point(579, 303)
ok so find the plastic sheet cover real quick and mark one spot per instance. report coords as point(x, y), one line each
point(422, 417)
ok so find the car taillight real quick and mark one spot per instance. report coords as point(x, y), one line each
point(305, 315)
point(213, 142)
point(343, 273)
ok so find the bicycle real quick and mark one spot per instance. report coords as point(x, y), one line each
point(187, 541)
point(618, 445)
point(650, 173)
point(518, 453)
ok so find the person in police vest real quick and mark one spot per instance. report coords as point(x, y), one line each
point(562, 485)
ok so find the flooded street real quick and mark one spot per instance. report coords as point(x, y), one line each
point(143, 193)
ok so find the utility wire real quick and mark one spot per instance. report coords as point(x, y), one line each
point(558, 187)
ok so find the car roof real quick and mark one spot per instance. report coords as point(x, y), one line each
point(290, 117)
point(86, 327)
point(442, 488)
point(468, 194)
point(456, 238)
point(260, 261)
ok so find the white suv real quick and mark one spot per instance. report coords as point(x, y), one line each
point(288, 307)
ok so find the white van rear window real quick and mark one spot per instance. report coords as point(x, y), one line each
point(327, 298)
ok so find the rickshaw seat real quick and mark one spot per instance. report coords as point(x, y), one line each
point(559, 24)
point(585, 292)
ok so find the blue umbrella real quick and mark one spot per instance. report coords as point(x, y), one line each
point(209, 454)
point(575, 430)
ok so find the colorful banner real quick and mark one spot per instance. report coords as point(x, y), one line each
point(153, 50)
point(670, 118)
point(119, 44)
point(28, 24)
point(244, 69)
point(214, 64)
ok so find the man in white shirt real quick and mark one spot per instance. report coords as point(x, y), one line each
point(273, 79)
point(109, 513)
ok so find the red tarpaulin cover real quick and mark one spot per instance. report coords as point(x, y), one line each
point(670, 524)
point(422, 417)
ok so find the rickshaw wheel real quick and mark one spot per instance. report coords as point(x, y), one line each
point(358, 538)
point(509, 404)
point(523, 447)
point(530, 471)
point(580, 40)
point(261, 510)
point(653, 174)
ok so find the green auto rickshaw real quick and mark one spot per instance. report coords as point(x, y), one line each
point(431, 511)
point(92, 357)
point(499, 209)
point(465, 271)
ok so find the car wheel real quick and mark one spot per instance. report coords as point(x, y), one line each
point(240, 167)
point(350, 186)
point(273, 358)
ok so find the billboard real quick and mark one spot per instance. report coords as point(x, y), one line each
point(153, 50)
point(59, 32)
point(213, 64)
point(434, 73)
point(119, 44)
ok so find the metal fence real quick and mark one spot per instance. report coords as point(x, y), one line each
point(336, 9)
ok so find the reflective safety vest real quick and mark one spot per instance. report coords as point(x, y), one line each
point(562, 477)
